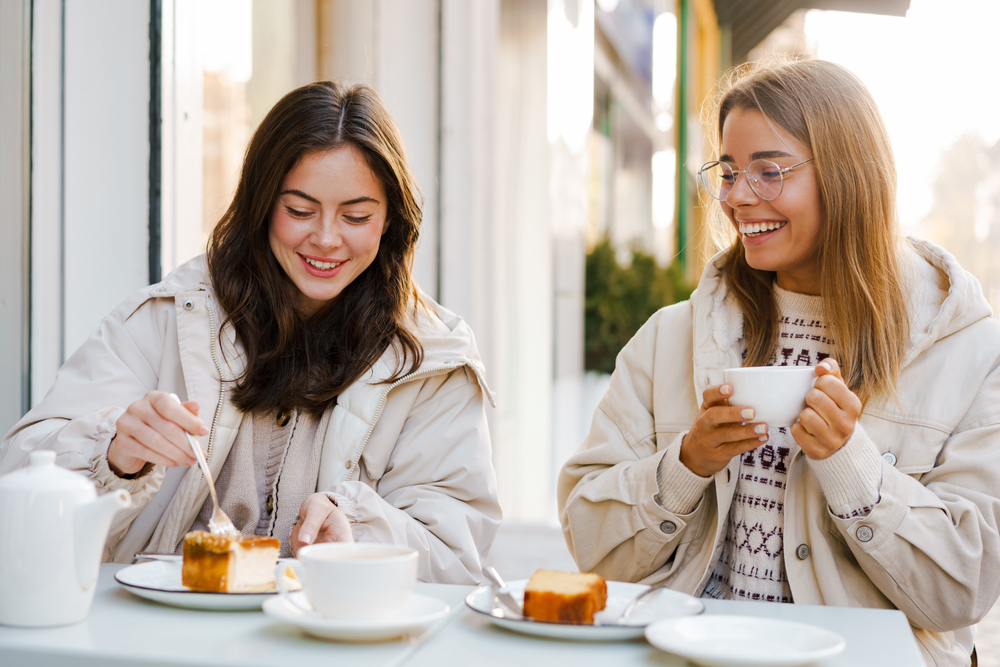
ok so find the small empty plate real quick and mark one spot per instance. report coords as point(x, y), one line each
point(743, 641)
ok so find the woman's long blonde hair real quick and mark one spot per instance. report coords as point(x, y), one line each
point(829, 109)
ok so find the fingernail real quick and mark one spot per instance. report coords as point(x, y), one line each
point(725, 390)
point(760, 428)
point(763, 438)
point(746, 413)
point(305, 538)
point(203, 430)
point(826, 365)
point(192, 462)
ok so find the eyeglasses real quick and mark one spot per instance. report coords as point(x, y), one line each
point(765, 178)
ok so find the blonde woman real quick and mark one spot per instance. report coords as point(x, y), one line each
point(884, 493)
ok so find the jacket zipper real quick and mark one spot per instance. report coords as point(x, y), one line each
point(382, 401)
point(222, 388)
point(218, 367)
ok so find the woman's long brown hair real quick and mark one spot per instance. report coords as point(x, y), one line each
point(299, 362)
point(829, 109)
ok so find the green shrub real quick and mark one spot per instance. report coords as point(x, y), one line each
point(618, 300)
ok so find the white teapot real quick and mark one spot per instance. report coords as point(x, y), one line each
point(52, 531)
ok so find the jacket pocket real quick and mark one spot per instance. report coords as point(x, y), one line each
point(910, 448)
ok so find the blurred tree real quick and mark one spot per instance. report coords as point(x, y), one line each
point(619, 299)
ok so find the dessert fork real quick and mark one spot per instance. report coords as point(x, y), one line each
point(501, 592)
point(630, 607)
point(219, 524)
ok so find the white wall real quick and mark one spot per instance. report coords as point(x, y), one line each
point(106, 159)
point(14, 68)
point(284, 52)
point(571, 99)
point(392, 46)
point(523, 279)
point(47, 246)
point(89, 171)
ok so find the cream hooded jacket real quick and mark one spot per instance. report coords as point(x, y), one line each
point(409, 463)
point(930, 547)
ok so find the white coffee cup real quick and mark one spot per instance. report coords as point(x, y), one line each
point(351, 580)
point(777, 394)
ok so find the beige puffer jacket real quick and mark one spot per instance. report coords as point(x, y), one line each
point(410, 463)
point(931, 547)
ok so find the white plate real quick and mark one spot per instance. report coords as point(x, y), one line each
point(668, 604)
point(161, 581)
point(743, 641)
point(419, 612)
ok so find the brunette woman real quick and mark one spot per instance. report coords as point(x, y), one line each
point(884, 493)
point(334, 401)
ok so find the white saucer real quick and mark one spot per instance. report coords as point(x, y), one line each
point(668, 604)
point(161, 581)
point(419, 612)
point(743, 641)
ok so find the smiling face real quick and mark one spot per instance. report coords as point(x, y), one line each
point(780, 235)
point(327, 223)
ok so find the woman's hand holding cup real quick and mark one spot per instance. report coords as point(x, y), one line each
point(152, 430)
point(719, 433)
point(831, 412)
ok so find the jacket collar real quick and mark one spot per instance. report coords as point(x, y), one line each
point(945, 297)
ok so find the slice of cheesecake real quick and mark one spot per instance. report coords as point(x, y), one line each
point(229, 564)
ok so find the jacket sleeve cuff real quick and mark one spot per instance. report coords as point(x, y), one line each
point(678, 489)
point(344, 504)
point(107, 480)
point(851, 477)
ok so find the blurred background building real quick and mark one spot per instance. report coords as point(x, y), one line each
point(547, 136)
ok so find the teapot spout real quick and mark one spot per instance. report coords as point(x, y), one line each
point(92, 521)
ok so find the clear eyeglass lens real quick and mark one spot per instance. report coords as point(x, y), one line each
point(764, 177)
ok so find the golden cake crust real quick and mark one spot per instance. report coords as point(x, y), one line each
point(564, 597)
point(210, 561)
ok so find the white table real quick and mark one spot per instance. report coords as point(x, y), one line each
point(875, 638)
point(122, 629)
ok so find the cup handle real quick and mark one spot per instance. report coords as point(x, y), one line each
point(279, 574)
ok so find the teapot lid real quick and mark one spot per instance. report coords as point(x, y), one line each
point(42, 475)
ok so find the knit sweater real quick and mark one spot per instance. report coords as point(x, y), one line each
point(272, 467)
point(752, 565)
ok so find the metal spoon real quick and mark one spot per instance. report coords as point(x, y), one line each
point(219, 524)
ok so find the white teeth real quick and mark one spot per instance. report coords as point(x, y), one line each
point(322, 266)
point(750, 229)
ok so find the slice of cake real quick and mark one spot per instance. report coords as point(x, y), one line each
point(564, 597)
point(229, 564)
